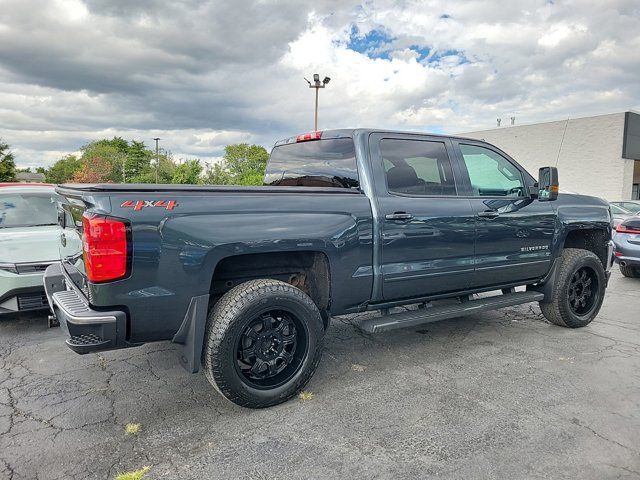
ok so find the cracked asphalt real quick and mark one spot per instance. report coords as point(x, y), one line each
point(497, 395)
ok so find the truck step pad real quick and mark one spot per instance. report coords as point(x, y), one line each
point(433, 314)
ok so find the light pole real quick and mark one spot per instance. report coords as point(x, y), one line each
point(317, 84)
point(157, 158)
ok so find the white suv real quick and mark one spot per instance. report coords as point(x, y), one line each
point(29, 235)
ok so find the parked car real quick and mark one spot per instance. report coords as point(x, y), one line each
point(632, 206)
point(620, 214)
point(29, 238)
point(626, 239)
point(247, 278)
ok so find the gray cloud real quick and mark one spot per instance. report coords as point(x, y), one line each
point(199, 74)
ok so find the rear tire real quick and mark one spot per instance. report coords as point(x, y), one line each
point(263, 343)
point(579, 289)
point(631, 272)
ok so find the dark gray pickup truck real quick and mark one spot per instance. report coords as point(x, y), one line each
point(246, 279)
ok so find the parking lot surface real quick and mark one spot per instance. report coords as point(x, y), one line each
point(497, 395)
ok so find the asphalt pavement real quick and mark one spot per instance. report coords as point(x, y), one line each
point(498, 395)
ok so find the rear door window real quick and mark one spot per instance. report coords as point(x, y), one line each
point(417, 167)
point(318, 163)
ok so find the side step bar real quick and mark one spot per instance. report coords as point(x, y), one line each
point(434, 314)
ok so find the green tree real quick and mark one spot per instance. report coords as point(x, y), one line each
point(138, 159)
point(166, 167)
point(217, 175)
point(7, 163)
point(23, 170)
point(242, 164)
point(63, 170)
point(188, 172)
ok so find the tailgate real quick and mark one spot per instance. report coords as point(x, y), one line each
point(70, 210)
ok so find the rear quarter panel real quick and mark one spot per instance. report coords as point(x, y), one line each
point(175, 252)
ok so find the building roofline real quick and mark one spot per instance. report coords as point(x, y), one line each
point(506, 127)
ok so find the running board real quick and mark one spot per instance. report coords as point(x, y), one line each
point(434, 314)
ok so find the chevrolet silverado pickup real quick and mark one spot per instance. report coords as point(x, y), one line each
point(246, 279)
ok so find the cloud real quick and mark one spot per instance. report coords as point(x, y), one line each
point(202, 74)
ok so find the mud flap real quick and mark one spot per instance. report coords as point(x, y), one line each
point(191, 333)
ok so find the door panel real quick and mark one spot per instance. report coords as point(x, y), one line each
point(431, 253)
point(513, 231)
point(427, 231)
point(515, 245)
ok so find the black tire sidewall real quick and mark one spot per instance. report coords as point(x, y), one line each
point(570, 317)
point(227, 376)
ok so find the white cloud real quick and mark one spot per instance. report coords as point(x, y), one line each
point(203, 74)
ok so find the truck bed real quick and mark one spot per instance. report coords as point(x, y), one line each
point(151, 187)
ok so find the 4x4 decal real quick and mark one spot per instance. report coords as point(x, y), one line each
point(140, 204)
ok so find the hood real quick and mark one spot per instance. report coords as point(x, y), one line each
point(579, 199)
point(29, 244)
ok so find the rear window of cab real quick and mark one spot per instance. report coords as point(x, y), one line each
point(320, 163)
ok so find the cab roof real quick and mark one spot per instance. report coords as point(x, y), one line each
point(351, 132)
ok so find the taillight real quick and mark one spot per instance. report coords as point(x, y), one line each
point(305, 137)
point(105, 245)
point(627, 229)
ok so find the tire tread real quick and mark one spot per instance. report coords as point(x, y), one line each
point(554, 311)
point(224, 313)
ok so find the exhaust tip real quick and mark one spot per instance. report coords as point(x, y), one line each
point(623, 263)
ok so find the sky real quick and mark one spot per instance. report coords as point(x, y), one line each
point(201, 75)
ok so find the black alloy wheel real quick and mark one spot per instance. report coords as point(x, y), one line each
point(270, 349)
point(583, 290)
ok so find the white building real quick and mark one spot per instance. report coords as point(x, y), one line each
point(597, 155)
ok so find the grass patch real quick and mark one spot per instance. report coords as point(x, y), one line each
point(306, 396)
point(132, 428)
point(135, 475)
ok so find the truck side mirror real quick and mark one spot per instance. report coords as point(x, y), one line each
point(548, 184)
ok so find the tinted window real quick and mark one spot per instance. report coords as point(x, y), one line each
point(27, 209)
point(417, 167)
point(491, 174)
point(318, 163)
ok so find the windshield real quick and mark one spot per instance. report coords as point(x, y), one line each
point(27, 210)
point(617, 209)
point(323, 163)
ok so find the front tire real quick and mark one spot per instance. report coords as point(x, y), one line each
point(631, 272)
point(579, 289)
point(263, 343)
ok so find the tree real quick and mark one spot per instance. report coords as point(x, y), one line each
point(166, 168)
point(63, 170)
point(188, 172)
point(7, 164)
point(95, 169)
point(217, 175)
point(242, 164)
point(138, 159)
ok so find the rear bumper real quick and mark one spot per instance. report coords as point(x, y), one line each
point(626, 252)
point(89, 330)
point(627, 261)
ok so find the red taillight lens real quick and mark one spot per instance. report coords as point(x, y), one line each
point(627, 229)
point(104, 243)
point(309, 136)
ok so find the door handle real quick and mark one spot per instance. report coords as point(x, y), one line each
point(489, 214)
point(399, 216)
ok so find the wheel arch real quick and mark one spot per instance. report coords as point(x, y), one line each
point(308, 270)
point(592, 238)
